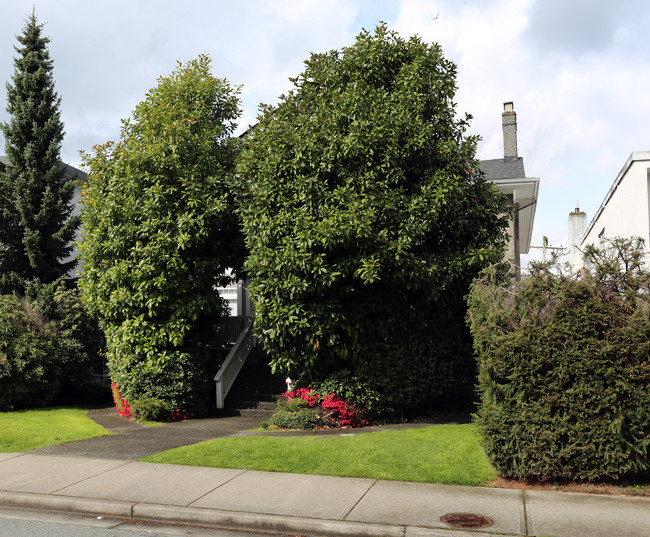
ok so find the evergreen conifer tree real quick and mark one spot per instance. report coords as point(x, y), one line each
point(37, 224)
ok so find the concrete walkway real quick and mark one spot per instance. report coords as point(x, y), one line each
point(109, 486)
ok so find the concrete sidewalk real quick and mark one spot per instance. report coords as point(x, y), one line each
point(315, 505)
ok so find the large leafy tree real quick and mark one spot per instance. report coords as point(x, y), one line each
point(366, 219)
point(37, 225)
point(159, 233)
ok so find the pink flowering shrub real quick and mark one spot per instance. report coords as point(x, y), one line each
point(335, 411)
point(342, 411)
point(121, 404)
point(177, 414)
point(306, 394)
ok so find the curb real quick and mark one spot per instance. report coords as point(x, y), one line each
point(195, 516)
point(66, 504)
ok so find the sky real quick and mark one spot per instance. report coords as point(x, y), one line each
point(577, 71)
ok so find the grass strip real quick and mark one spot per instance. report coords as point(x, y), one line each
point(449, 454)
point(22, 430)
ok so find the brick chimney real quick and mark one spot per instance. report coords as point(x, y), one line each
point(509, 122)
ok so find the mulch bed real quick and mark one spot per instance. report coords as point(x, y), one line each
point(596, 487)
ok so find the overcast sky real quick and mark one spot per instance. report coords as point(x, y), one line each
point(577, 71)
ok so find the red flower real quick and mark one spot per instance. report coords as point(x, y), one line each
point(311, 398)
point(340, 412)
point(121, 404)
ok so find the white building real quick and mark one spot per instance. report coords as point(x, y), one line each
point(625, 211)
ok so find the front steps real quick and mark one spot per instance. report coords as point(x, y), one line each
point(256, 390)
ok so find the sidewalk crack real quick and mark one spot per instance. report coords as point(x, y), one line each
point(523, 501)
point(217, 487)
point(91, 477)
point(359, 501)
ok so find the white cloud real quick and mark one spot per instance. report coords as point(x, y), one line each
point(578, 74)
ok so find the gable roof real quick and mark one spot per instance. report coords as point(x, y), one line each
point(503, 168)
point(70, 171)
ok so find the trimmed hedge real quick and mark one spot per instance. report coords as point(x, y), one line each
point(295, 414)
point(149, 409)
point(564, 372)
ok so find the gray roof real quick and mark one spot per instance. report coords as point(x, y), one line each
point(71, 171)
point(501, 168)
point(74, 172)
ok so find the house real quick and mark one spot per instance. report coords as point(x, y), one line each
point(509, 176)
point(625, 211)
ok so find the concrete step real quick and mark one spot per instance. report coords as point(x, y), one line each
point(256, 390)
point(261, 412)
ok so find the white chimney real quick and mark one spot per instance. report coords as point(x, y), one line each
point(577, 227)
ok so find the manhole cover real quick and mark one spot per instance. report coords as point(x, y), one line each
point(466, 520)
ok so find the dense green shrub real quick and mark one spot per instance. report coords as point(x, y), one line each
point(304, 418)
point(366, 220)
point(32, 356)
point(292, 405)
point(564, 370)
point(436, 365)
point(49, 349)
point(149, 409)
point(60, 304)
point(351, 388)
point(75, 325)
point(30, 364)
point(430, 364)
point(160, 232)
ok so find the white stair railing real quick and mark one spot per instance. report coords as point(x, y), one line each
point(236, 358)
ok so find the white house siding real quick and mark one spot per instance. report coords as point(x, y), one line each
point(230, 295)
point(625, 212)
point(76, 271)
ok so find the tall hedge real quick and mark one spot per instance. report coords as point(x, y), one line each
point(564, 370)
point(366, 220)
point(160, 232)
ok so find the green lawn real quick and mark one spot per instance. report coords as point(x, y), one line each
point(21, 430)
point(448, 454)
